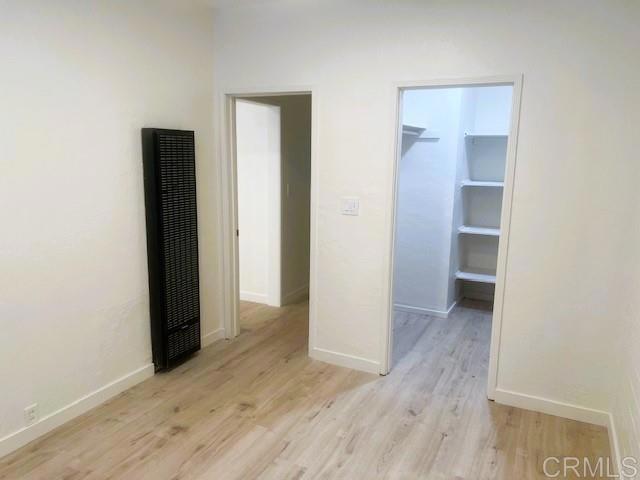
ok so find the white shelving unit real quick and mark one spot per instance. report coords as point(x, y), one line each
point(481, 195)
point(485, 135)
point(491, 232)
point(481, 275)
point(479, 183)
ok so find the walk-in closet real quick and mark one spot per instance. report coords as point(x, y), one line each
point(451, 173)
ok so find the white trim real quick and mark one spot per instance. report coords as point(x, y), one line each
point(505, 223)
point(505, 231)
point(296, 295)
point(552, 407)
point(228, 217)
point(614, 444)
point(17, 439)
point(228, 199)
point(213, 337)
point(386, 343)
point(274, 227)
point(425, 311)
point(313, 221)
point(253, 297)
point(344, 360)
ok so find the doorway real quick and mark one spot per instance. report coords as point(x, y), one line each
point(271, 146)
point(258, 161)
point(454, 181)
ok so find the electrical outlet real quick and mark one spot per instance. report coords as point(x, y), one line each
point(31, 414)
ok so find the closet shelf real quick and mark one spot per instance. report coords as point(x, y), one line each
point(419, 132)
point(480, 275)
point(493, 232)
point(477, 183)
point(412, 130)
point(485, 135)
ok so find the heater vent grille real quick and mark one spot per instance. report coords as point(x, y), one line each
point(186, 339)
point(172, 243)
point(179, 228)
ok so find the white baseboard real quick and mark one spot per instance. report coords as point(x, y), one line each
point(15, 440)
point(552, 407)
point(212, 337)
point(253, 297)
point(344, 360)
point(296, 295)
point(425, 311)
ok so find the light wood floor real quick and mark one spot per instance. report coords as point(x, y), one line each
point(258, 407)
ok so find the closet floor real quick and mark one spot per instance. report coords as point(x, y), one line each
point(259, 407)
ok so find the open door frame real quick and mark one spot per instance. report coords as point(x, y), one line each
point(505, 217)
point(229, 207)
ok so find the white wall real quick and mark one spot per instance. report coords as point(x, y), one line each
point(79, 80)
point(258, 159)
point(426, 187)
point(576, 150)
point(490, 110)
point(626, 372)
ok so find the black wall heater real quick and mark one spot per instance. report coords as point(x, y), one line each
point(172, 243)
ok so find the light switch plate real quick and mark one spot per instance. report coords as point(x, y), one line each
point(350, 206)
